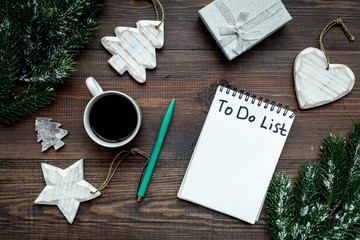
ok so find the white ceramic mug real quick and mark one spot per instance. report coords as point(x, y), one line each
point(98, 93)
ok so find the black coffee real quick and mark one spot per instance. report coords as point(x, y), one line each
point(113, 118)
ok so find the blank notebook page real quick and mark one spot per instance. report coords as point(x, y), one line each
point(236, 155)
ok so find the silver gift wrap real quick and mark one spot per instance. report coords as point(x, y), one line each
point(238, 25)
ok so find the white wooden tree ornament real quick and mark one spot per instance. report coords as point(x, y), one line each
point(66, 188)
point(133, 49)
point(314, 84)
point(317, 82)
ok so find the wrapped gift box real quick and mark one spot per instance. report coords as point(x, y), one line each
point(238, 25)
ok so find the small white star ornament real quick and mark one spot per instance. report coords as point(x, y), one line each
point(66, 188)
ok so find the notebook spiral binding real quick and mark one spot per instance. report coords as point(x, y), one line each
point(259, 101)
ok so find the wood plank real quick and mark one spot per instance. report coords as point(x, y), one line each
point(185, 30)
point(192, 81)
point(116, 214)
point(189, 67)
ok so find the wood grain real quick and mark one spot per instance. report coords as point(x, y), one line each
point(133, 49)
point(315, 85)
point(66, 188)
point(188, 68)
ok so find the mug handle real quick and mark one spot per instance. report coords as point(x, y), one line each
point(93, 86)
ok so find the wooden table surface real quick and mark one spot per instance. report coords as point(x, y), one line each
point(189, 67)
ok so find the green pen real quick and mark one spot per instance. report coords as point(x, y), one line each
point(155, 153)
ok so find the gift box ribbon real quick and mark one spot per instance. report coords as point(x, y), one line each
point(240, 29)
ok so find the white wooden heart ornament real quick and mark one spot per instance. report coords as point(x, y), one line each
point(314, 84)
point(133, 49)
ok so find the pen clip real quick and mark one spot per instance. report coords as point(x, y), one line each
point(142, 175)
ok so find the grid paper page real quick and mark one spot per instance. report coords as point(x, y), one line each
point(235, 156)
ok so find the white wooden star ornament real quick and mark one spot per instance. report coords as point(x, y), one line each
point(317, 82)
point(133, 49)
point(66, 188)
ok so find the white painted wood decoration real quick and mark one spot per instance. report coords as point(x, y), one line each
point(314, 84)
point(66, 188)
point(133, 49)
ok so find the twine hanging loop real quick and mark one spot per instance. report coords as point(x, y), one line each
point(157, 12)
point(125, 153)
point(340, 22)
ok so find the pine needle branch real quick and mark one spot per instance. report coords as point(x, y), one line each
point(309, 212)
point(333, 171)
point(26, 101)
point(353, 160)
point(281, 207)
point(326, 196)
point(39, 40)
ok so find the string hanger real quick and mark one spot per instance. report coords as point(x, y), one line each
point(157, 12)
point(124, 153)
point(340, 22)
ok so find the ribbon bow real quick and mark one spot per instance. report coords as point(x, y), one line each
point(238, 31)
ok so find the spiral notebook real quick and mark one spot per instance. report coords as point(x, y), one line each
point(236, 154)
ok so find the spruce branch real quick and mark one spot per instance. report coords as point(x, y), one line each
point(281, 207)
point(26, 101)
point(326, 195)
point(39, 40)
point(353, 161)
point(333, 171)
point(345, 222)
point(9, 53)
point(308, 211)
